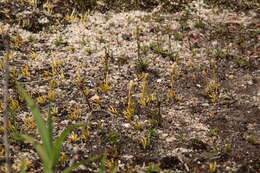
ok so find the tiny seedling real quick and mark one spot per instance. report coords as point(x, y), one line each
point(30, 123)
point(84, 41)
point(213, 132)
point(75, 114)
point(174, 75)
point(129, 112)
point(178, 36)
point(26, 71)
point(146, 96)
point(213, 167)
point(145, 142)
point(242, 62)
point(73, 137)
point(153, 168)
point(58, 41)
point(113, 138)
point(142, 65)
point(199, 24)
point(252, 139)
point(212, 90)
point(105, 85)
point(228, 148)
point(85, 134)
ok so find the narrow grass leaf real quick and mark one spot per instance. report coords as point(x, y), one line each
point(82, 162)
point(50, 127)
point(43, 130)
point(59, 141)
point(102, 168)
point(39, 148)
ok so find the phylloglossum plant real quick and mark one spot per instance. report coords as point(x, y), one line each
point(48, 149)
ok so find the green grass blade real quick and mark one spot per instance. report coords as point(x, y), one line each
point(82, 162)
point(43, 130)
point(39, 148)
point(59, 141)
point(50, 127)
point(45, 158)
point(102, 167)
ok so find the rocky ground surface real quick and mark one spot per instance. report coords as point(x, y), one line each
point(158, 91)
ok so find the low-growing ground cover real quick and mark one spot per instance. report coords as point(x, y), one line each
point(160, 87)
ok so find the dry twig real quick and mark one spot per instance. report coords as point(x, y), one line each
point(6, 95)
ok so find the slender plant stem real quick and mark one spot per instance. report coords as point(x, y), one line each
point(6, 95)
point(138, 42)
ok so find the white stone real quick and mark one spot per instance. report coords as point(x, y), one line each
point(126, 125)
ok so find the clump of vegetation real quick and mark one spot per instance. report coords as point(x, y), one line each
point(142, 65)
point(49, 149)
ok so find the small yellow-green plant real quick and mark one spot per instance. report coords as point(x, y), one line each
point(77, 17)
point(24, 164)
point(71, 48)
point(26, 71)
point(178, 36)
point(1, 152)
point(111, 165)
point(199, 24)
point(63, 159)
point(105, 86)
point(30, 123)
point(146, 96)
point(41, 99)
point(113, 110)
point(54, 110)
point(53, 83)
point(48, 7)
point(113, 138)
point(14, 105)
point(14, 73)
point(174, 74)
point(213, 167)
point(31, 38)
point(145, 142)
point(156, 115)
point(84, 41)
point(56, 65)
point(85, 134)
point(52, 95)
point(58, 41)
point(17, 41)
point(228, 148)
point(212, 90)
point(73, 137)
point(213, 132)
point(142, 65)
point(75, 114)
point(1, 107)
point(129, 112)
point(252, 139)
point(34, 55)
point(138, 125)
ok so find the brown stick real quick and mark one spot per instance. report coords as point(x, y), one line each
point(6, 95)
